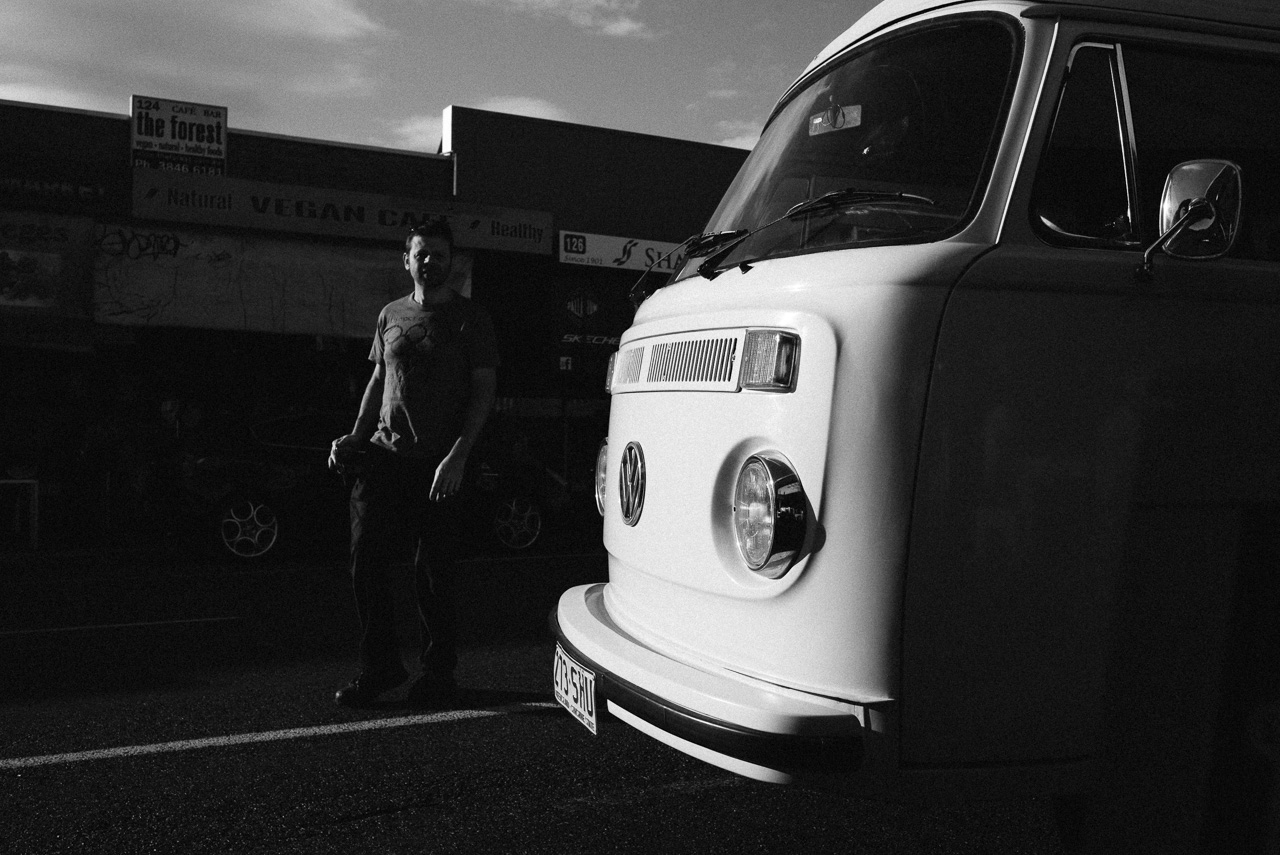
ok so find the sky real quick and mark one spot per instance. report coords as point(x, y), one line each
point(380, 72)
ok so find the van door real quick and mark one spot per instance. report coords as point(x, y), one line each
point(1095, 445)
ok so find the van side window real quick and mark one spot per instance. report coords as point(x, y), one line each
point(1193, 104)
point(1081, 194)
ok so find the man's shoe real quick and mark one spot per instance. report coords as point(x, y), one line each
point(432, 692)
point(367, 685)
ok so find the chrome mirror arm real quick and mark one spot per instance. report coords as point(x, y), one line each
point(1199, 210)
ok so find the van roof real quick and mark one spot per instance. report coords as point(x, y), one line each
point(1251, 13)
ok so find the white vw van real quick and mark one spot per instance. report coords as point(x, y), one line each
point(950, 457)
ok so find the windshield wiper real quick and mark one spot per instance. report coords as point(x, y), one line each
point(838, 200)
point(709, 242)
point(696, 246)
point(834, 200)
point(854, 196)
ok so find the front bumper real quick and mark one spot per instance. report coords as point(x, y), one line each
point(737, 723)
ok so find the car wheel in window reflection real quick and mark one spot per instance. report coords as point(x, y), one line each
point(249, 528)
point(517, 522)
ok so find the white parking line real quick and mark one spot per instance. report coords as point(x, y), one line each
point(267, 736)
point(96, 626)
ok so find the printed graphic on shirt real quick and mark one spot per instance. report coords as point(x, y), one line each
point(428, 355)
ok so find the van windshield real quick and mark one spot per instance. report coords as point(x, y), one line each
point(892, 145)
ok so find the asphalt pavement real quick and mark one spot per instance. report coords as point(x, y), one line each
point(105, 619)
point(154, 702)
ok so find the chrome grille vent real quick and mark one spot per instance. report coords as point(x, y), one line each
point(693, 361)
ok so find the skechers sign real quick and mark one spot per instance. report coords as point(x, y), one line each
point(620, 252)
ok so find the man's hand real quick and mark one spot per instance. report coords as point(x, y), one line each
point(448, 480)
point(350, 441)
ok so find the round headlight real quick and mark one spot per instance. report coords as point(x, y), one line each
point(769, 515)
point(602, 473)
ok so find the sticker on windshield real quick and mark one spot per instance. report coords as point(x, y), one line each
point(835, 118)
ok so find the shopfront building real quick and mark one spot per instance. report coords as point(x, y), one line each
point(248, 284)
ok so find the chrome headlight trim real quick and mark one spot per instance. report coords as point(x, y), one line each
point(769, 527)
point(602, 475)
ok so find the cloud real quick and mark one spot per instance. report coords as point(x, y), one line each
point(18, 83)
point(625, 27)
point(608, 17)
point(724, 76)
point(732, 87)
point(518, 105)
point(65, 26)
point(340, 79)
point(418, 133)
point(241, 53)
point(423, 133)
point(739, 134)
point(325, 20)
point(747, 141)
point(755, 78)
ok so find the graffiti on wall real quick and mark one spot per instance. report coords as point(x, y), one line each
point(168, 277)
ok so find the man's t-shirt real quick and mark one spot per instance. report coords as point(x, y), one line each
point(429, 353)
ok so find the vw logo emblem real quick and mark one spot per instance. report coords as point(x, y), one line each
point(631, 483)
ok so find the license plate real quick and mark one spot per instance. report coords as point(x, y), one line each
point(575, 689)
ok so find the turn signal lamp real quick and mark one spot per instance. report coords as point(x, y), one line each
point(608, 378)
point(769, 360)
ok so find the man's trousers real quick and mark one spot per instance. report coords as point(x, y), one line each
point(391, 519)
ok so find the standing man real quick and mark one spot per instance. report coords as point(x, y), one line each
point(435, 359)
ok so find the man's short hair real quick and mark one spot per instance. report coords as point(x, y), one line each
point(434, 227)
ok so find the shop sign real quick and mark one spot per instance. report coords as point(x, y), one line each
point(620, 252)
point(178, 136)
point(44, 263)
point(218, 201)
point(246, 281)
point(21, 190)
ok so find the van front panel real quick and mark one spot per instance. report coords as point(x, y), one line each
point(866, 323)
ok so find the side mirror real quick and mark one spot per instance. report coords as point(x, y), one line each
point(1199, 212)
